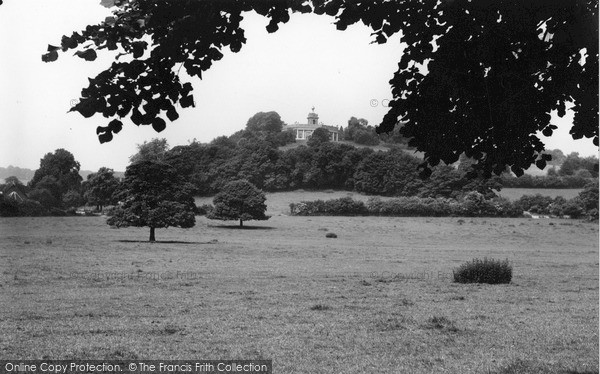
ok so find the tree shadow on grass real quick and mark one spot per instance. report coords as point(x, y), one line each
point(165, 241)
point(238, 227)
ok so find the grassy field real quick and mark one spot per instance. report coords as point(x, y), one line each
point(516, 193)
point(378, 299)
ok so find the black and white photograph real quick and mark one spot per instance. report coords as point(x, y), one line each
point(299, 186)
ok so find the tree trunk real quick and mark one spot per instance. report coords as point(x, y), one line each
point(152, 238)
point(241, 223)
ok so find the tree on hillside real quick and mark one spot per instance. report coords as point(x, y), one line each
point(573, 164)
point(60, 170)
point(100, 187)
point(265, 121)
point(360, 132)
point(388, 173)
point(153, 195)
point(154, 150)
point(13, 180)
point(318, 137)
point(476, 77)
point(239, 200)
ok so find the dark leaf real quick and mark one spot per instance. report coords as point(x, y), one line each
point(50, 56)
point(159, 124)
point(541, 164)
point(106, 137)
point(85, 107)
point(88, 54)
point(172, 114)
point(187, 101)
point(115, 126)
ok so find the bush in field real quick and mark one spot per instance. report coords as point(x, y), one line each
point(484, 271)
point(475, 204)
point(8, 207)
point(415, 206)
point(573, 209)
point(505, 208)
point(535, 203)
point(344, 206)
point(588, 200)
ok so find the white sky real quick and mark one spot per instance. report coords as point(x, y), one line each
point(307, 62)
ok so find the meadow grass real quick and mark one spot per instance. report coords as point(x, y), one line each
point(516, 193)
point(378, 298)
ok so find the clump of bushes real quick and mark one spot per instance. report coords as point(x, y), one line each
point(472, 205)
point(26, 208)
point(344, 206)
point(484, 271)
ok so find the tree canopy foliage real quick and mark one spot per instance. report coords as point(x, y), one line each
point(239, 200)
point(476, 77)
point(58, 173)
point(318, 137)
point(100, 187)
point(265, 121)
point(153, 195)
point(154, 150)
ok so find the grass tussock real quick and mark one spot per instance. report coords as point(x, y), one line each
point(441, 323)
point(489, 271)
point(320, 307)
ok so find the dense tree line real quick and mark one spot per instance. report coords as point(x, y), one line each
point(571, 171)
point(57, 188)
point(321, 165)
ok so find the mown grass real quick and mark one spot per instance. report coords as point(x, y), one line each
point(379, 298)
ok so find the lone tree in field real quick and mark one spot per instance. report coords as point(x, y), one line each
point(153, 195)
point(239, 200)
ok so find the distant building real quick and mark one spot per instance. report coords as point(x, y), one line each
point(14, 192)
point(304, 130)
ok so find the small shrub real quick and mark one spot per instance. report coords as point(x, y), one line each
point(441, 322)
point(320, 307)
point(484, 271)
